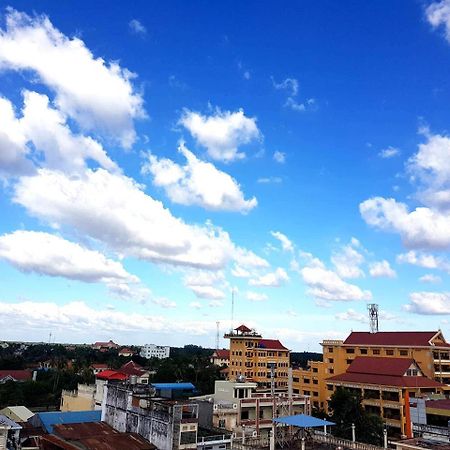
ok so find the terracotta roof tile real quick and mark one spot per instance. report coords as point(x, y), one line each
point(271, 344)
point(402, 338)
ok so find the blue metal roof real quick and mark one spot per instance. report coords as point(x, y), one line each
point(174, 386)
point(51, 418)
point(302, 421)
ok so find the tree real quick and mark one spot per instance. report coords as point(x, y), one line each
point(346, 408)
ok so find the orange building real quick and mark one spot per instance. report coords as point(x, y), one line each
point(428, 349)
point(257, 359)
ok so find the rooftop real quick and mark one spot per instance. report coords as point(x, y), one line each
point(49, 419)
point(19, 375)
point(271, 344)
point(394, 338)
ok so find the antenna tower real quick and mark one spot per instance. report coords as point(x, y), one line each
point(217, 335)
point(232, 309)
point(373, 317)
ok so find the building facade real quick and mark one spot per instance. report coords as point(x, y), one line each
point(428, 349)
point(264, 361)
point(221, 358)
point(155, 351)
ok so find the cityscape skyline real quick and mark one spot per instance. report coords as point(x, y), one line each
point(157, 158)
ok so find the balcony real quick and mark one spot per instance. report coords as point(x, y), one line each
point(393, 423)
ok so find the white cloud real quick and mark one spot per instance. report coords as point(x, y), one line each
point(113, 209)
point(286, 244)
point(47, 254)
point(221, 133)
point(78, 319)
point(352, 315)
point(215, 304)
point(269, 180)
point(389, 152)
point(239, 272)
point(438, 14)
point(164, 302)
point(195, 305)
point(279, 157)
point(289, 84)
point(256, 296)
point(272, 279)
point(347, 260)
point(430, 278)
point(421, 259)
point(208, 292)
point(197, 183)
point(136, 27)
point(429, 303)
point(13, 149)
point(380, 269)
point(206, 284)
point(98, 95)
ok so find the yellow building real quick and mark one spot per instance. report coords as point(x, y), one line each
point(427, 348)
point(257, 359)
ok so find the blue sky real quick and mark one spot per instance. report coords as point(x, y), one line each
point(157, 156)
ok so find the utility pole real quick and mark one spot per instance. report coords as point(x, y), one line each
point(217, 335)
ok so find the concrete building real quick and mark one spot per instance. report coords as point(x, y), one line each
point(155, 351)
point(257, 359)
point(385, 386)
point(167, 424)
point(428, 349)
point(240, 407)
point(82, 399)
point(221, 358)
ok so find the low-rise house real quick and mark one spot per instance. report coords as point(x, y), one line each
point(47, 420)
point(126, 352)
point(17, 413)
point(385, 386)
point(155, 351)
point(105, 346)
point(133, 369)
point(220, 357)
point(15, 375)
point(98, 367)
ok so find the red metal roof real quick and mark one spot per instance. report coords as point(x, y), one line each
point(19, 375)
point(222, 354)
point(111, 375)
point(271, 344)
point(400, 338)
point(380, 366)
point(132, 368)
point(438, 404)
point(243, 329)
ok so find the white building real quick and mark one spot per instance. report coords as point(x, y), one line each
point(155, 351)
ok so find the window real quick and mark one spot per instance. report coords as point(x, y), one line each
point(330, 349)
point(349, 350)
point(376, 351)
point(188, 437)
point(221, 423)
point(315, 382)
point(403, 352)
point(349, 361)
point(331, 360)
point(296, 391)
point(244, 415)
point(330, 370)
point(306, 380)
point(315, 369)
point(363, 351)
point(306, 392)
point(411, 373)
point(295, 379)
point(389, 352)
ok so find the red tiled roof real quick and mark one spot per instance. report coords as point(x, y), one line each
point(222, 354)
point(386, 380)
point(126, 350)
point(380, 366)
point(132, 368)
point(19, 375)
point(402, 338)
point(271, 344)
point(243, 329)
point(112, 375)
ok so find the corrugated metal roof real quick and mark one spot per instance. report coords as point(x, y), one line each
point(174, 386)
point(8, 422)
point(48, 419)
point(380, 366)
point(302, 421)
point(19, 413)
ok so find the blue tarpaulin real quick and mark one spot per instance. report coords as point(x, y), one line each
point(174, 386)
point(303, 421)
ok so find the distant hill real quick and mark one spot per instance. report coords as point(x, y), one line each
point(301, 359)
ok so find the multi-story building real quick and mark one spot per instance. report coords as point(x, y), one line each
point(239, 407)
point(155, 351)
point(428, 349)
point(221, 357)
point(257, 359)
point(385, 385)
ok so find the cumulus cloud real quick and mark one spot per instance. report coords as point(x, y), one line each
point(97, 94)
point(430, 278)
point(352, 315)
point(13, 148)
point(272, 279)
point(80, 321)
point(425, 260)
point(221, 133)
point(279, 157)
point(347, 260)
point(255, 296)
point(429, 303)
point(197, 183)
point(389, 152)
point(115, 210)
point(326, 285)
point(380, 269)
point(438, 15)
point(136, 27)
point(47, 254)
point(269, 180)
point(206, 284)
point(285, 242)
point(164, 303)
point(291, 87)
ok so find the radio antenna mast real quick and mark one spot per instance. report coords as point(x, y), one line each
point(373, 317)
